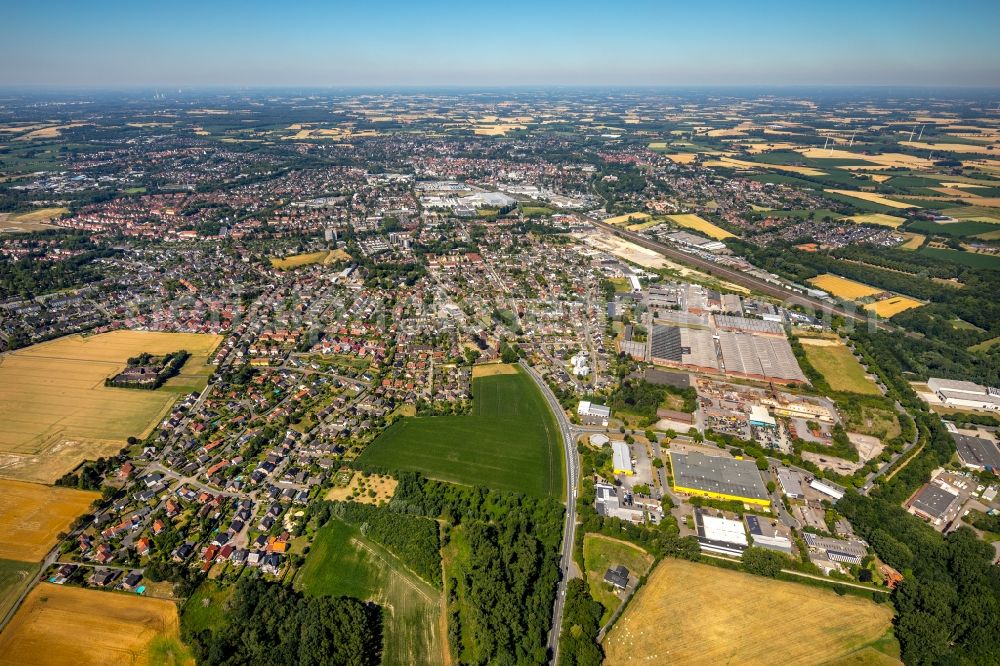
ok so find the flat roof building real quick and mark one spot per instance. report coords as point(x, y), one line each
point(935, 504)
point(718, 478)
point(760, 418)
point(793, 485)
point(720, 535)
point(766, 536)
point(621, 458)
point(977, 452)
point(969, 395)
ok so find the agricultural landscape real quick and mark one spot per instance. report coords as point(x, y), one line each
point(552, 375)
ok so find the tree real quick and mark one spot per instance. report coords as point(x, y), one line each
point(761, 562)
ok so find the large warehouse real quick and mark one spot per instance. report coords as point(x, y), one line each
point(682, 347)
point(759, 357)
point(977, 452)
point(717, 477)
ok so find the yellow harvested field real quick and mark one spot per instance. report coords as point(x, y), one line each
point(730, 163)
point(717, 616)
point(628, 218)
point(952, 147)
point(39, 215)
point(913, 241)
point(704, 226)
point(56, 412)
point(498, 129)
point(72, 625)
point(682, 158)
point(358, 489)
point(31, 516)
point(893, 306)
point(48, 132)
point(321, 257)
point(493, 369)
point(878, 218)
point(885, 160)
point(642, 225)
point(873, 198)
point(842, 287)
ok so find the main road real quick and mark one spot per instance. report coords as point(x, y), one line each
point(569, 529)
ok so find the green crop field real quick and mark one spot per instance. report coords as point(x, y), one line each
point(955, 229)
point(510, 441)
point(342, 562)
point(14, 577)
point(964, 258)
point(601, 553)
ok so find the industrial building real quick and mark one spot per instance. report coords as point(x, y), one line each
point(760, 357)
point(760, 418)
point(827, 489)
point(836, 550)
point(720, 535)
point(745, 325)
point(609, 503)
point(936, 504)
point(592, 413)
point(766, 535)
point(965, 395)
point(793, 485)
point(691, 348)
point(717, 477)
point(977, 452)
point(621, 458)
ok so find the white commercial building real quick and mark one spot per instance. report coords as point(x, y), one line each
point(621, 458)
point(968, 395)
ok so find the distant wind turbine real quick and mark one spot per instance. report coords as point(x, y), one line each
point(921, 133)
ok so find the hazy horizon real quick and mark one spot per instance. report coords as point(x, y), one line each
point(440, 44)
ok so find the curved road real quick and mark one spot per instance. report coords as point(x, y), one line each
point(569, 529)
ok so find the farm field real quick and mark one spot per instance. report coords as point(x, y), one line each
point(342, 562)
point(837, 364)
point(14, 577)
point(493, 369)
point(878, 218)
point(704, 605)
point(61, 625)
point(510, 441)
point(298, 260)
point(704, 226)
point(628, 218)
point(873, 198)
point(893, 306)
point(790, 168)
point(913, 241)
point(967, 258)
point(842, 287)
point(56, 412)
point(31, 515)
point(35, 220)
point(599, 554)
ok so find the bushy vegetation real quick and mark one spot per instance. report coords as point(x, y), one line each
point(268, 623)
point(578, 644)
point(509, 578)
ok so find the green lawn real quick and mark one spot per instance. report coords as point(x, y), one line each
point(510, 441)
point(601, 553)
point(342, 562)
point(14, 577)
point(955, 229)
point(205, 609)
point(840, 369)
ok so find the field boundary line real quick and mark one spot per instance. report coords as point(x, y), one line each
point(358, 542)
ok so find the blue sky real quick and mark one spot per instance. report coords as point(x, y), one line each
point(755, 42)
